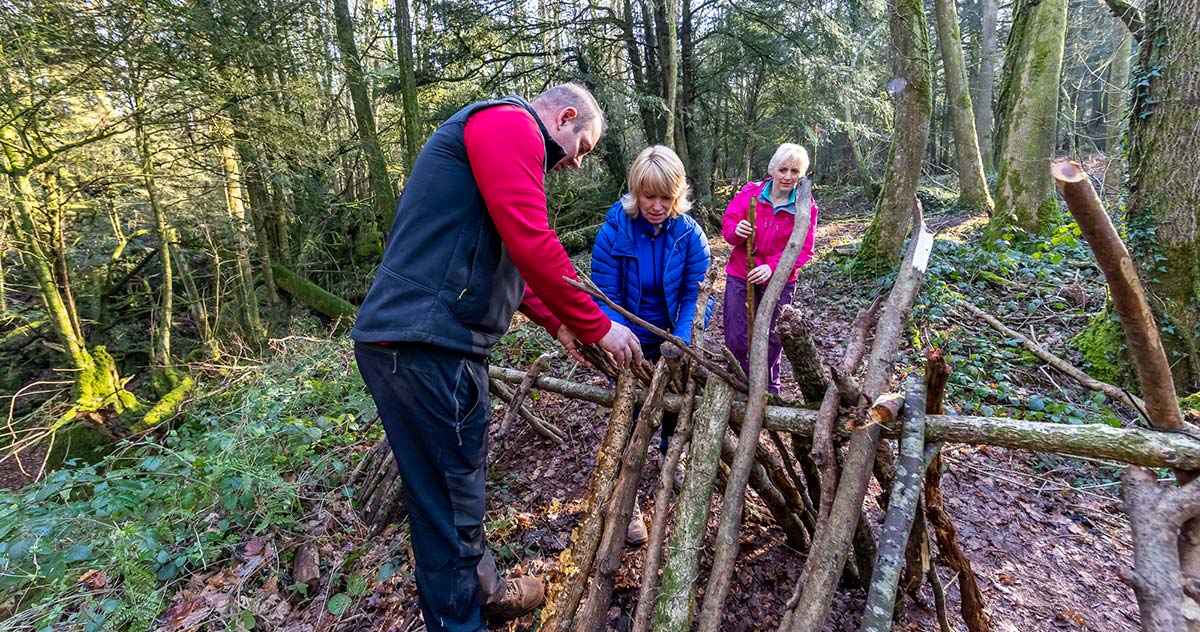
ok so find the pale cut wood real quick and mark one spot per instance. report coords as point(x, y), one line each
point(886, 407)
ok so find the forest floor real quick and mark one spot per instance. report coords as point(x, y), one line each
point(1045, 534)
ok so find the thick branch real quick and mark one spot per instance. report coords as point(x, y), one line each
point(1127, 12)
point(1127, 294)
point(1136, 446)
point(743, 462)
point(831, 545)
point(902, 509)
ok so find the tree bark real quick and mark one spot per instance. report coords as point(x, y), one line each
point(973, 191)
point(1027, 114)
point(235, 201)
point(408, 86)
point(1163, 210)
point(676, 604)
point(1116, 111)
point(802, 353)
point(902, 508)
point(364, 118)
point(987, 84)
point(884, 239)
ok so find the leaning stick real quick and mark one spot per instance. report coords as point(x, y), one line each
point(577, 560)
point(541, 426)
point(1070, 370)
point(822, 445)
point(831, 545)
point(751, 212)
point(588, 287)
point(666, 481)
point(618, 510)
point(1128, 296)
point(648, 592)
point(739, 476)
point(518, 398)
point(902, 509)
point(972, 605)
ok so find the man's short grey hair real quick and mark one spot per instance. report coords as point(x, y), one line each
point(575, 96)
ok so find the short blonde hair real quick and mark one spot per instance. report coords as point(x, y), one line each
point(658, 171)
point(788, 152)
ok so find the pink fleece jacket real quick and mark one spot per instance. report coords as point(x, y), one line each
point(771, 232)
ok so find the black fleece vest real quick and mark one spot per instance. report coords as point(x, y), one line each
point(446, 278)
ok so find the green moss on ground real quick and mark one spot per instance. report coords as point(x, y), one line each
point(1105, 355)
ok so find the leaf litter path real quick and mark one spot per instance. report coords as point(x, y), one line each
point(1045, 534)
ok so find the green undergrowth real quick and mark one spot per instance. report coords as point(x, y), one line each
point(1046, 288)
point(102, 546)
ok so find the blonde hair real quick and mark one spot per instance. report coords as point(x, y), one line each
point(657, 171)
point(788, 152)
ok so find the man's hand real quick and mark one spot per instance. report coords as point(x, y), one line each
point(622, 344)
point(567, 339)
point(759, 275)
point(743, 229)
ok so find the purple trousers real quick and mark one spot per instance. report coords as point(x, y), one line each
point(735, 320)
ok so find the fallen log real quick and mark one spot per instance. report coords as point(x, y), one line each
point(314, 296)
point(1156, 515)
point(902, 509)
point(1136, 446)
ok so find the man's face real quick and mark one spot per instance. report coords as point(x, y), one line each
point(577, 143)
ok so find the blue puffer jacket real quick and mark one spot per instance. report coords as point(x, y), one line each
point(615, 268)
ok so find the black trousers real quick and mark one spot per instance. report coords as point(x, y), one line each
point(435, 408)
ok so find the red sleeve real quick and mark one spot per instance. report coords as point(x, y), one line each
point(507, 155)
point(536, 310)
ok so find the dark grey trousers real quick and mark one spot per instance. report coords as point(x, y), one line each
point(435, 408)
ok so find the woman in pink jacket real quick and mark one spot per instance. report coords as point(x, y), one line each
point(775, 215)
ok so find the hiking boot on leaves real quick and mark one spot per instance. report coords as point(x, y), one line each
point(636, 535)
point(522, 595)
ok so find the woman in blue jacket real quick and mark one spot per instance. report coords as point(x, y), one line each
point(650, 258)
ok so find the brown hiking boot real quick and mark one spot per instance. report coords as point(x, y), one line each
point(636, 535)
point(522, 595)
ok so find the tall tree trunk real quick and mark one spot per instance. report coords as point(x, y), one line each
point(1164, 202)
point(654, 74)
point(408, 85)
point(161, 347)
point(235, 200)
point(986, 82)
point(684, 128)
point(973, 190)
point(914, 104)
point(364, 118)
point(639, 71)
point(1116, 110)
point(1027, 113)
point(666, 28)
